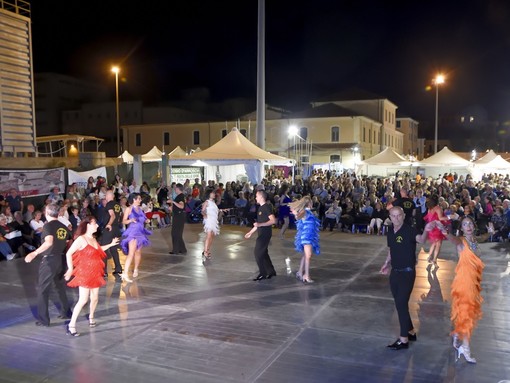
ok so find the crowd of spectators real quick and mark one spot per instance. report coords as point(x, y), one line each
point(342, 201)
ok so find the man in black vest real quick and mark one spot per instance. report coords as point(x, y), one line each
point(112, 220)
point(54, 237)
point(178, 221)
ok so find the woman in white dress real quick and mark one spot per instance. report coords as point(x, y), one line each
point(210, 214)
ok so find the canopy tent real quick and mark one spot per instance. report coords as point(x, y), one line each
point(126, 157)
point(384, 163)
point(153, 155)
point(178, 152)
point(488, 157)
point(445, 161)
point(234, 149)
point(496, 165)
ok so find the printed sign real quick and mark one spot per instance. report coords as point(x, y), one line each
point(180, 175)
point(31, 182)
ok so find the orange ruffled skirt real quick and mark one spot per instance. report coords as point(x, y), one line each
point(466, 293)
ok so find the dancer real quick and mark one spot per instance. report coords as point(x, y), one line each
point(434, 214)
point(402, 239)
point(264, 226)
point(210, 213)
point(135, 236)
point(54, 239)
point(466, 287)
point(85, 261)
point(307, 236)
point(178, 220)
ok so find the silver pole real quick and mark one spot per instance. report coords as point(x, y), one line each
point(261, 91)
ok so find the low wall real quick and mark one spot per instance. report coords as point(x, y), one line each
point(86, 161)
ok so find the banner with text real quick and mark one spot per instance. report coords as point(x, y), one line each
point(80, 178)
point(30, 183)
point(180, 175)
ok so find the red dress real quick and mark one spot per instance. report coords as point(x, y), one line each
point(88, 268)
point(435, 234)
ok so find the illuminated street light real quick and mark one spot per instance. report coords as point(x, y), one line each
point(116, 70)
point(293, 131)
point(440, 79)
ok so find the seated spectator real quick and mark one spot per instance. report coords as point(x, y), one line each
point(74, 217)
point(14, 200)
point(6, 211)
point(14, 238)
point(29, 214)
point(37, 225)
point(5, 249)
point(26, 231)
point(498, 225)
point(332, 216)
point(85, 211)
point(62, 218)
point(241, 208)
point(55, 196)
point(378, 217)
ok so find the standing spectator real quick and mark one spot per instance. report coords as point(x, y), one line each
point(14, 201)
point(284, 209)
point(55, 237)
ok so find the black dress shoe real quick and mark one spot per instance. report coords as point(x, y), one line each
point(171, 252)
point(412, 337)
point(41, 324)
point(259, 278)
point(269, 276)
point(398, 345)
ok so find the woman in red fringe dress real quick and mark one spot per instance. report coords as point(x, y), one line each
point(85, 261)
point(466, 287)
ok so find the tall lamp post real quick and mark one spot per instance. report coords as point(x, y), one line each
point(116, 70)
point(438, 80)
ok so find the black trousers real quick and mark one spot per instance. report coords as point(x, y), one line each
point(51, 272)
point(113, 252)
point(401, 285)
point(178, 221)
point(261, 251)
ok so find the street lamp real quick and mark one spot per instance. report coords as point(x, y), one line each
point(437, 81)
point(116, 70)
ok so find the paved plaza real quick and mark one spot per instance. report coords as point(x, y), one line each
point(183, 322)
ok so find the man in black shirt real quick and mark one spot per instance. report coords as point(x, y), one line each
point(112, 220)
point(264, 227)
point(178, 221)
point(402, 239)
point(55, 236)
point(407, 204)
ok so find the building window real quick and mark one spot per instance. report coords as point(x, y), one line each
point(196, 137)
point(335, 134)
point(374, 138)
point(334, 158)
point(364, 136)
point(303, 133)
point(398, 124)
point(223, 133)
point(243, 132)
point(166, 138)
point(138, 139)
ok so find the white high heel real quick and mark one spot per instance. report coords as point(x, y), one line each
point(456, 342)
point(124, 277)
point(464, 350)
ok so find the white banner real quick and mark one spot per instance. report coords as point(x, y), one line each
point(180, 175)
point(80, 178)
point(31, 182)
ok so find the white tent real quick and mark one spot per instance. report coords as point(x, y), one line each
point(496, 165)
point(153, 155)
point(126, 157)
point(488, 157)
point(445, 161)
point(384, 163)
point(234, 149)
point(178, 152)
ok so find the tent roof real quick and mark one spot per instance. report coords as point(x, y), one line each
point(387, 156)
point(234, 148)
point(178, 152)
point(126, 157)
point(497, 163)
point(488, 157)
point(152, 155)
point(445, 157)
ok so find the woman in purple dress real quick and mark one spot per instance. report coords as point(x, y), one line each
point(135, 236)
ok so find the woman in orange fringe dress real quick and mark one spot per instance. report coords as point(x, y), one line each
point(466, 287)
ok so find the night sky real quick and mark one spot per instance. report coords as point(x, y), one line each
point(313, 48)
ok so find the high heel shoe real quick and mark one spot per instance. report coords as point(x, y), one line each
point(135, 273)
point(124, 277)
point(307, 280)
point(299, 277)
point(456, 343)
point(92, 322)
point(436, 265)
point(464, 350)
point(72, 333)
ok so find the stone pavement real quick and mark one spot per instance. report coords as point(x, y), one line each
point(183, 322)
